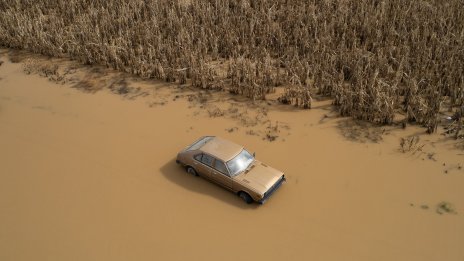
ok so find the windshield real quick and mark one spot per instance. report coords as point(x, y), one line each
point(239, 163)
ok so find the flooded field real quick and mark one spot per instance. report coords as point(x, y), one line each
point(87, 173)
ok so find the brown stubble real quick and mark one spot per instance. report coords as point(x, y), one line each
point(373, 58)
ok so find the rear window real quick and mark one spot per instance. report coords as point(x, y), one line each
point(199, 143)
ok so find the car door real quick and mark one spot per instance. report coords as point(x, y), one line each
point(220, 174)
point(203, 164)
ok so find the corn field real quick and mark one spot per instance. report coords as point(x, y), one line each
point(375, 58)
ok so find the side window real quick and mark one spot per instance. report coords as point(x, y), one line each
point(198, 157)
point(221, 167)
point(208, 160)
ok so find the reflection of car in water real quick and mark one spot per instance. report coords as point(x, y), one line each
point(231, 166)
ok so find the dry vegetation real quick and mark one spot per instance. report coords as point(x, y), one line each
point(374, 58)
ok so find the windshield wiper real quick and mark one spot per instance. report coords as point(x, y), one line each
point(251, 165)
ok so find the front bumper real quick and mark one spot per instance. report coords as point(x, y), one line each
point(272, 189)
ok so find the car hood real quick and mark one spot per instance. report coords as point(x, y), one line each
point(259, 177)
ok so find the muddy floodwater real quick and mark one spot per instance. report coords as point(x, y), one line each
point(89, 173)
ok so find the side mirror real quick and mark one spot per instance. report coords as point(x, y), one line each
point(254, 154)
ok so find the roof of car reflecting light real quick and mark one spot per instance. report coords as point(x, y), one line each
point(222, 149)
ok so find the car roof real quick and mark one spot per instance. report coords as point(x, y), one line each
point(221, 148)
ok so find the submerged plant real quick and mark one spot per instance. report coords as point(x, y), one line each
point(445, 207)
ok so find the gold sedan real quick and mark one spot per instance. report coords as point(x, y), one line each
point(232, 167)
